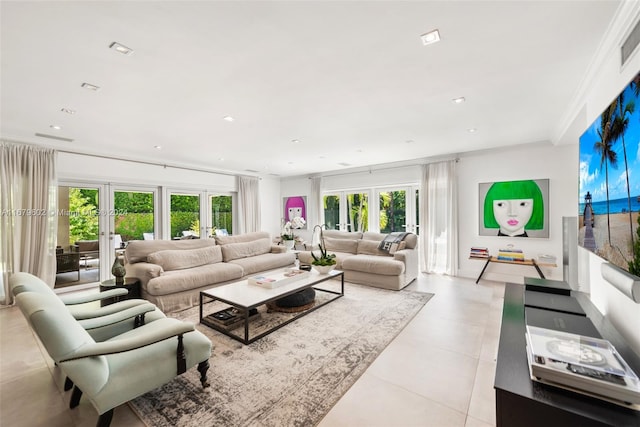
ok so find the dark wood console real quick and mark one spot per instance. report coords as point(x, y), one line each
point(522, 402)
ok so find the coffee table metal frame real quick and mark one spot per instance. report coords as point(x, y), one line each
point(269, 295)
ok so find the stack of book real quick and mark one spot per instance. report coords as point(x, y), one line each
point(479, 252)
point(278, 279)
point(510, 254)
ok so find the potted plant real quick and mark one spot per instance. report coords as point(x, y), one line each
point(325, 262)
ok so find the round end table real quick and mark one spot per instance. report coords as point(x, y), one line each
point(132, 284)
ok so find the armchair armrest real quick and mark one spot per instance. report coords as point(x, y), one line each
point(120, 316)
point(82, 299)
point(81, 312)
point(169, 328)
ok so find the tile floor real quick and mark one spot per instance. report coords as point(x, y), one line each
point(438, 372)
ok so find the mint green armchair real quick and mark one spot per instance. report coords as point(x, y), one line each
point(102, 323)
point(114, 371)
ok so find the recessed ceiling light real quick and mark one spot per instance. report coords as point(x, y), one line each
point(56, 127)
point(221, 159)
point(68, 110)
point(458, 100)
point(290, 163)
point(89, 86)
point(121, 48)
point(409, 141)
point(228, 118)
point(158, 147)
point(430, 37)
point(471, 130)
point(295, 141)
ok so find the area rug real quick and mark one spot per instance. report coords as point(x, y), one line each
point(291, 377)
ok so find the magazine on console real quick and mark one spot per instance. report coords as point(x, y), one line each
point(581, 363)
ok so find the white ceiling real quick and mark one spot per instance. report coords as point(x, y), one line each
point(350, 80)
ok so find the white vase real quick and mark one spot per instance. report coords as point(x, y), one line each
point(289, 244)
point(323, 269)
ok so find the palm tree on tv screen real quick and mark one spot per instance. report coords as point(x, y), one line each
point(604, 148)
point(619, 128)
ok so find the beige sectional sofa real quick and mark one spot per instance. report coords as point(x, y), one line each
point(173, 272)
point(357, 254)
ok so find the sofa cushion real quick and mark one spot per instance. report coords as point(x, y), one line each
point(370, 247)
point(337, 234)
point(137, 250)
point(385, 266)
point(241, 238)
point(231, 251)
point(263, 262)
point(180, 259)
point(341, 245)
point(172, 282)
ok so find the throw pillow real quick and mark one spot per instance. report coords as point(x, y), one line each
point(370, 247)
point(188, 258)
point(341, 245)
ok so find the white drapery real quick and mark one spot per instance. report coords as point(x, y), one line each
point(439, 218)
point(248, 204)
point(28, 220)
point(315, 212)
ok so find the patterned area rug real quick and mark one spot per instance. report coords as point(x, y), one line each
point(291, 377)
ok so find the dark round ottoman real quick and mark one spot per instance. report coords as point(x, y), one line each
point(299, 301)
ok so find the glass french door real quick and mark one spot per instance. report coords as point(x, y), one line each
point(134, 215)
point(221, 215)
point(398, 209)
point(346, 211)
point(81, 240)
point(200, 214)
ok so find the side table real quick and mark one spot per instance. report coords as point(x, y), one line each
point(132, 284)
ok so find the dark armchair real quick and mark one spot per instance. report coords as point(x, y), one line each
point(68, 262)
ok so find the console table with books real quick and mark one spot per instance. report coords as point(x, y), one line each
point(523, 402)
point(530, 262)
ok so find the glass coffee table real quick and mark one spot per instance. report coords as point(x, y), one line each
point(245, 298)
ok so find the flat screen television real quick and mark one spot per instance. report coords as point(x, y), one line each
point(609, 181)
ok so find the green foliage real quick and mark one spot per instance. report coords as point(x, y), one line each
point(325, 258)
point(83, 214)
point(131, 225)
point(182, 221)
point(133, 202)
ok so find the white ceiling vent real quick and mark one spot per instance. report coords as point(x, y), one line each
point(630, 43)
point(59, 138)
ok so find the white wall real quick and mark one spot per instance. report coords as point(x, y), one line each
point(559, 164)
point(83, 168)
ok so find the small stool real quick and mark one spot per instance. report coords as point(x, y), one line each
point(300, 301)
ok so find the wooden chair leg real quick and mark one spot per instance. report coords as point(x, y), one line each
point(203, 367)
point(104, 420)
point(68, 384)
point(75, 397)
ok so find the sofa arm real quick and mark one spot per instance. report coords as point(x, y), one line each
point(164, 329)
point(144, 271)
point(278, 249)
point(411, 265)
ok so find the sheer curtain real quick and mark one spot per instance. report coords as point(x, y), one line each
point(249, 203)
point(439, 216)
point(315, 212)
point(28, 221)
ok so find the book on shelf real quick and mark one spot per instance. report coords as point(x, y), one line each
point(583, 364)
point(479, 252)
